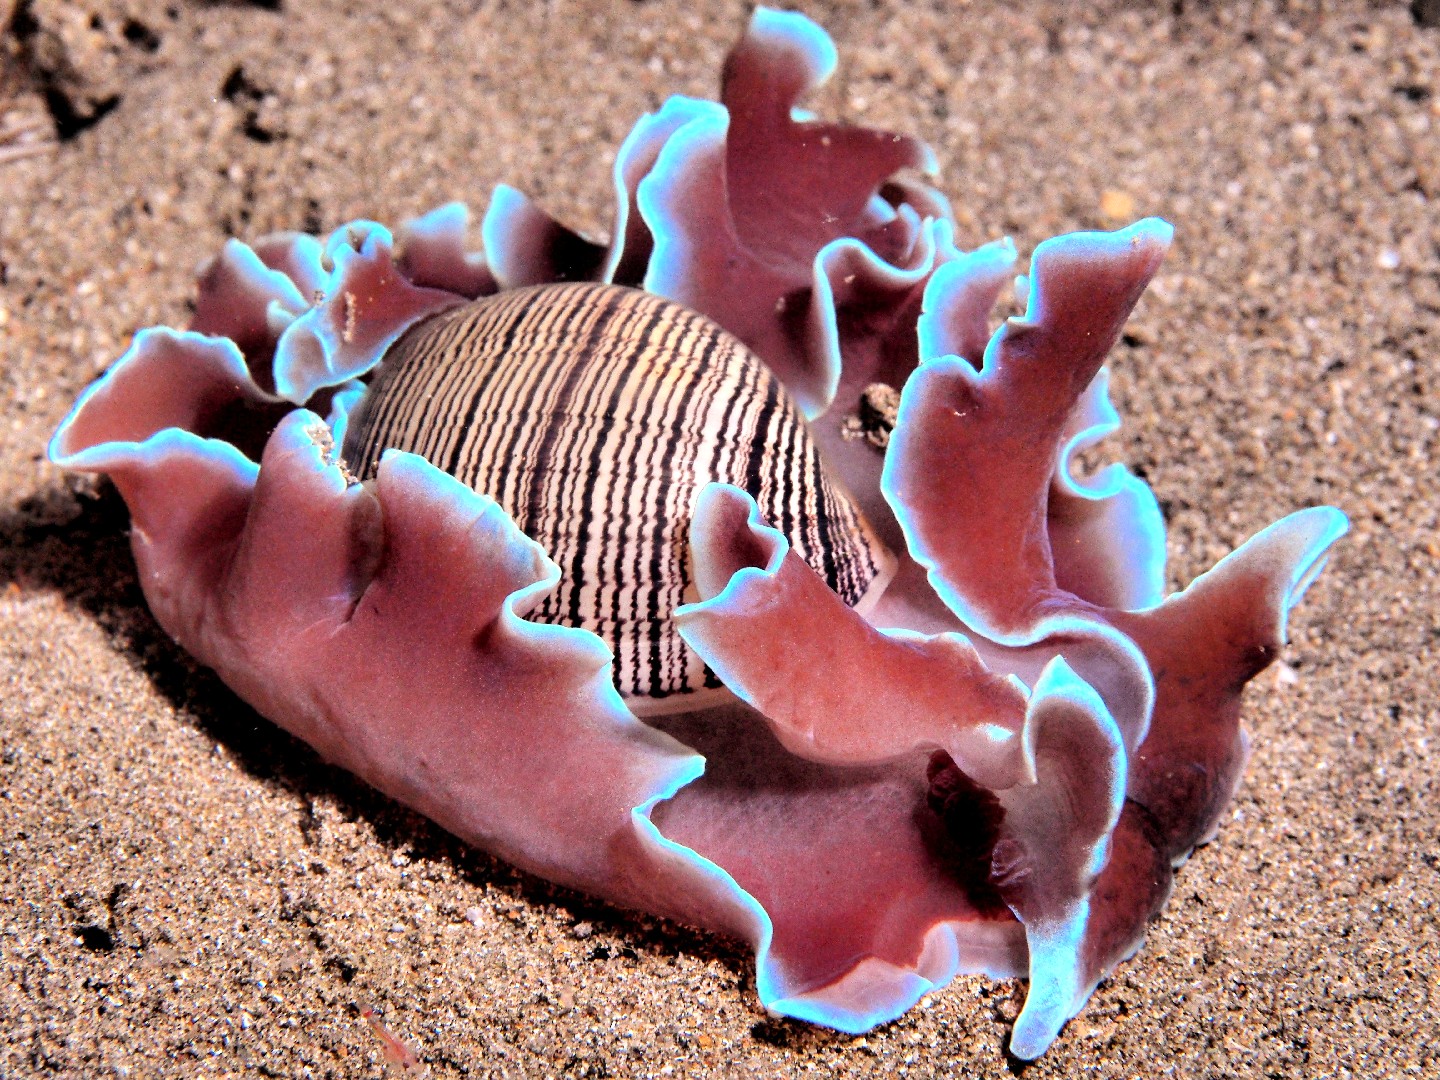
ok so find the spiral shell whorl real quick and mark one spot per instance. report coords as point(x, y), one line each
point(594, 415)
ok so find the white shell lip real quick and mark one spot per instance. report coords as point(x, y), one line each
point(685, 701)
point(884, 575)
point(682, 701)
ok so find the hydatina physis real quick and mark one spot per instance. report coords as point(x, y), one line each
point(594, 415)
point(993, 766)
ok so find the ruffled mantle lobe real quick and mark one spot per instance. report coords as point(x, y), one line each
point(995, 771)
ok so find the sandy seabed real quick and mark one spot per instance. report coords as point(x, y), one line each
point(187, 891)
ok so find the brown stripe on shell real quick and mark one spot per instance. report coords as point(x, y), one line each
point(593, 415)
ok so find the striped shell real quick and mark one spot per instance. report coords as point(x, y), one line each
point(594, 415)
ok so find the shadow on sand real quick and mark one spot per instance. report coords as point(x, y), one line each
point(74, 540)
